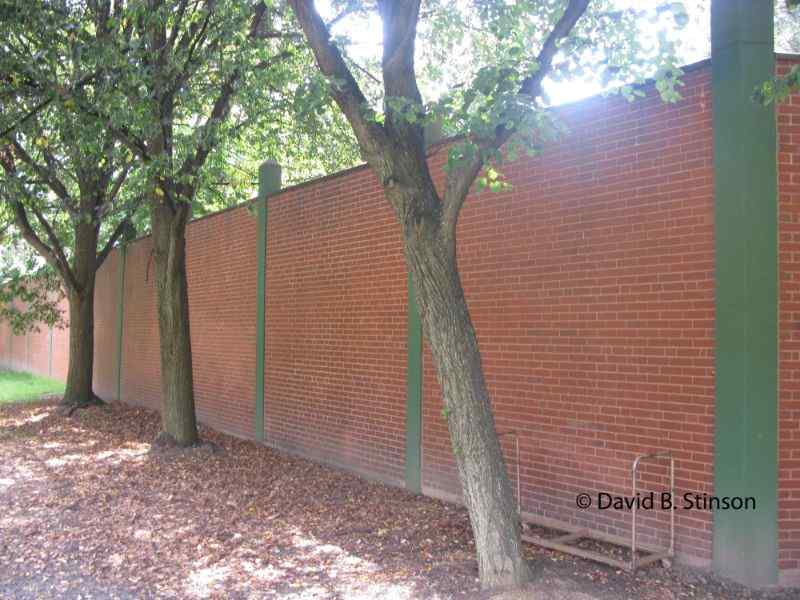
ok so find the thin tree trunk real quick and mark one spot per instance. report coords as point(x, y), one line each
point(78, 390)
point(481, 468)
point(177, 388)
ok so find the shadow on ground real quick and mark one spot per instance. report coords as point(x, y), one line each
point(90, 512)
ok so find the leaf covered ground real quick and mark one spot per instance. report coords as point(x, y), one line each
point(90, 511)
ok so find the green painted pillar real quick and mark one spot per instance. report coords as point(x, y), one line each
point(745, 454)
point(413, 467)
point(120, 315)
point(50, 351)
point(269, 182)
point(414, 395)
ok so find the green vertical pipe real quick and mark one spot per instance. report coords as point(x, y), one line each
point(413, 395)
point(120, 316)
point(261, 249)
point(50, 352)
point(269, 182)
point(745, 543)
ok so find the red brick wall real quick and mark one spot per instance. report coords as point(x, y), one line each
point(60, 358)
point(106, 299)
point(336, 326)
point(590, 285)
point(38, 350)
point(141, 367)
point(789, 345)
point(5, 346)
point(221, 265)
point(30, 351)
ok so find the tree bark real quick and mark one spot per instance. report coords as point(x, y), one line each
point(476, 447)
point(80, 296)
point(395, 151)
point(177, 386)
point(78, 391)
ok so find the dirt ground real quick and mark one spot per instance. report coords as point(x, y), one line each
point(87, 510)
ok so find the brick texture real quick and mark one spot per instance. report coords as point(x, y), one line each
point(141, 367)
point(591, 286)
point(222, 307)
point(789, 333)
point(336, 326)
point(221, 268)
point(106, 299)
point(31, 351)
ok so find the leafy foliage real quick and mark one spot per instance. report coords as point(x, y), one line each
point(68, 187)
point(30, 292)
point(787, 31)
point(495, 37)
point(77, 120)
point(201, 92)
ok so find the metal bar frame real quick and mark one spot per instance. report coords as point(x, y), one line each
point(634, 477)
point(561, 543)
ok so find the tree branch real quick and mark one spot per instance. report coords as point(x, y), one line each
point(63, 91)
point(459, 180)
point(57, 249)
point(352, 8)
point(32, 113)
point(345, 90)
point(221, 107)
point(117, 185)
point(44, 173)
point(192, 164)
point(364, 70)
point(173, 35)
point(53, 255)
point(115, 235)
point(121, 132)
point(400, 32)
point(30, 236)
point(532, 85)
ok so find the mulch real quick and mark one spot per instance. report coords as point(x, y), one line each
point(89, 510)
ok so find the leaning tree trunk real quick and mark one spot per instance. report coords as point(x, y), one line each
point(78, 390)
point(177, 389)
point(481, 468)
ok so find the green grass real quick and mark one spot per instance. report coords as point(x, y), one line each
point(24, 387)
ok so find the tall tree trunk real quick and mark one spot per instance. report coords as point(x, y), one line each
point(177, 386)
point(80, 295)
point(78, 391)
point(481, 468)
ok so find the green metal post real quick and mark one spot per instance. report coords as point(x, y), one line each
point(414, 395)
point(50, 351)
point(120, 316)
point(745, 175)
point(269, 182)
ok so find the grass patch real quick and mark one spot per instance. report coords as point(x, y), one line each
point(24, 387)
